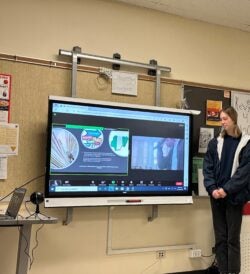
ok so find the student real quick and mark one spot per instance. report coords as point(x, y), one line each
point(226, 173)
point(165, 153)
point(170, 154)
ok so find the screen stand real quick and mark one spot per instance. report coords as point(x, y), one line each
point(154, 213)
point(69, 214)
point(37, 214)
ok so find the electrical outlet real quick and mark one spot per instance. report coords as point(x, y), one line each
point(160, 254)
point(195, 253)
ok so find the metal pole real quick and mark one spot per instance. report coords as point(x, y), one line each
point(74, 74)
point(158, 88)
point(114, 61)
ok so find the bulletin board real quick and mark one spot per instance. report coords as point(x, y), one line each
point(31, 85)
point(196, 98)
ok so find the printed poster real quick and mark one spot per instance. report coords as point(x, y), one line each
point(241, 102)
point(124, 83)
point(5, 90)
point(9, 136)
point(206, 134)
point(213, 113)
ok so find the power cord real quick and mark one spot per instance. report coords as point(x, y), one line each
point(105, 73)
point(27, 209)
point(26, 183)
point(26, 241)
point(104, 77)
point(32, 257)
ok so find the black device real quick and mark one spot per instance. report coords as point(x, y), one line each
point(116, 66)
point(152, 72)
point(37, 198)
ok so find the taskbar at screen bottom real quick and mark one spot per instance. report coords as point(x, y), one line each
point(117, 188)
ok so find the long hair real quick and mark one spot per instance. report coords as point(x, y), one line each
point(232, 113)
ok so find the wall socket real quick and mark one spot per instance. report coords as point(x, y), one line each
point(160, 254)
point(195, 253)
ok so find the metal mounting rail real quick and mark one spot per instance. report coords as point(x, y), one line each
point(75, 56)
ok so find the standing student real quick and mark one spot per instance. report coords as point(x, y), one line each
point(226, 173)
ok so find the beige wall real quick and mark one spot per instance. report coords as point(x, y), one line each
point(195, 51)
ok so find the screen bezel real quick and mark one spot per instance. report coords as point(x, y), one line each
point(76, 200)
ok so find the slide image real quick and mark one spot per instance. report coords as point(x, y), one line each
point(64, 148)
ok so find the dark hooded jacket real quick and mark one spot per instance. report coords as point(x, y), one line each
point(238, 187)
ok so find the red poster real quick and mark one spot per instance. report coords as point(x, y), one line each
point(5, 91)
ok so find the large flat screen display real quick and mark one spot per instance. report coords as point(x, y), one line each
point(103, 153)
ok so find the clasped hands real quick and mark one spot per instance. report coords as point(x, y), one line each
point(219, 193)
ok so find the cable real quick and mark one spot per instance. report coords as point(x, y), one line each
point(26, 183)
point(25, 204)
point(207, 256)
point(26, 241)
point(31, 258)
point(36, 245)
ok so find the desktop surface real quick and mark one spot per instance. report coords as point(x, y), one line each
point(31, 220)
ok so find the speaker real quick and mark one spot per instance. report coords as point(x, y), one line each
point(37, 198)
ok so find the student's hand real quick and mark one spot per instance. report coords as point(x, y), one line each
point(216, 194)
point(222, 193)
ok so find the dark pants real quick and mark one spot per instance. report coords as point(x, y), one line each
point(227, 219)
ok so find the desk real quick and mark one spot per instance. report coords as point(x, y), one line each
point(24, 235)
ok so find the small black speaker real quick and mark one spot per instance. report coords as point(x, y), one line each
point(37, 198)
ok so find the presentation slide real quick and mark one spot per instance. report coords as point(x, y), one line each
point(86, 149)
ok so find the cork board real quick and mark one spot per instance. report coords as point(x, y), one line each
point(31, 86)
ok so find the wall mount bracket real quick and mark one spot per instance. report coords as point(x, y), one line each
point(77, 55)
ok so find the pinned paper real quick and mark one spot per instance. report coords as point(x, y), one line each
point(3, 167)
point(9, 134)
point(213, 113)
point(5, 90)
point(206, 134)
point(124, 83)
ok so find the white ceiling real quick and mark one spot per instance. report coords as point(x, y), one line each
point(230, 13)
